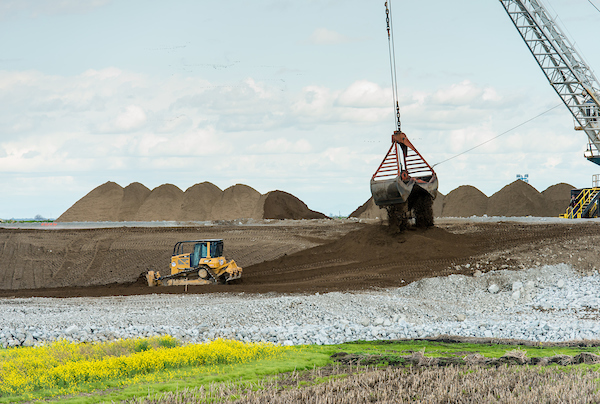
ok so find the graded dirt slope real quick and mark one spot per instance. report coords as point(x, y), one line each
point(102, 204)
point(281, 205)
point(60, 258)
point(305, 257)
point(465, 201)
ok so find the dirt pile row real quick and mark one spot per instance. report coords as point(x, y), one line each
point(516, 199)
point(201, 202)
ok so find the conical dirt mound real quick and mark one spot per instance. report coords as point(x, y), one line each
point(102, 204)
point(134, 196)
point(238, 201)
point(198, 201)
point(557, 198)
point(281, 205)
point(465, 201)
point(163, 203)
point(517, 199)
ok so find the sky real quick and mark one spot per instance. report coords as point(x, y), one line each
point(275, 94)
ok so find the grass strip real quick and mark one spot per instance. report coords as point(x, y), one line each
point(143, 368)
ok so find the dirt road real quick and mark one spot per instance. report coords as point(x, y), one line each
point(304, 257)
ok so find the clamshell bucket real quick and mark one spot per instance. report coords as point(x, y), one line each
point(402, 173)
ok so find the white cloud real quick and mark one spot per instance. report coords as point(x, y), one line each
point(324, 36)
point(132, 117)
point(282, 145)
point(365, 94)
point(464, 92)
point(108, 124)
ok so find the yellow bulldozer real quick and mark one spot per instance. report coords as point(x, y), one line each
point(197, 262)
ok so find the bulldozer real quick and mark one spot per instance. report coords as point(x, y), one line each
point(197, 262)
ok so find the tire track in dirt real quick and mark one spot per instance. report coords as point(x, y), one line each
point(295, 259)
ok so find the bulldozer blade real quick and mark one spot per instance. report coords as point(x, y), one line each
point(151, 278)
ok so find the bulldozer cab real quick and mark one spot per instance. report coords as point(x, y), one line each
point(198, 249)
point(197, 262)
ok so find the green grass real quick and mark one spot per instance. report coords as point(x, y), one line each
point(190, 377)
point(300, 358)
point(440, 349)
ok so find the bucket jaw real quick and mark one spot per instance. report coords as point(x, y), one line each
point(404, 177)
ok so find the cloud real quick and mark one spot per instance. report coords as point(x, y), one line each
point(324, 36)
point(132, 117)
point(463, 93)
point(282, 145)
point(365, 94)
point(319, 141)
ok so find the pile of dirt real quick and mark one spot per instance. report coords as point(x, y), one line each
point(297, 257)
point(516, 199)
point(134, 196)
point(465, 201)
point(200, 202)
point(369, 210)
point(281, 205)
point(99, 205)
point(163, 203)
point(238, 201)
point(557, 198)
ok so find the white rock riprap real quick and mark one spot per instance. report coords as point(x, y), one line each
point(551, 303)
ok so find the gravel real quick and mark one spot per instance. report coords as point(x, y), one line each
point(549, 303)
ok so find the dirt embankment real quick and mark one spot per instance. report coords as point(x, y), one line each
point(297, 258)
point(515, 199)
point(200, 202)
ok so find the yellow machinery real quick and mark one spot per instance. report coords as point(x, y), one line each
point(584, 204)
point(197, 262)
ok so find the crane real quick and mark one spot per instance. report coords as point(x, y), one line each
point(404, 183)
point(573, 81)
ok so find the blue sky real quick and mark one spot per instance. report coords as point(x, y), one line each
point(275, 94)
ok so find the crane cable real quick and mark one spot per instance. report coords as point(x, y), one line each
point(392, 52)
point(496, 137)
point(593, 5)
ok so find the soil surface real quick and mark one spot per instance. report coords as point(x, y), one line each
point(302, 257)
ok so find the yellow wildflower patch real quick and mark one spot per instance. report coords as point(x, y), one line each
point(63, 366)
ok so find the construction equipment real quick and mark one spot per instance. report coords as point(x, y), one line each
point(197, 262)
point(584, 204)
point(570, 77)
point(405, 184)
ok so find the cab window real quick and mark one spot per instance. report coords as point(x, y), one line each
point(216, 249)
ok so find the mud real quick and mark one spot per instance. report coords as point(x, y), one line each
point(316, 256)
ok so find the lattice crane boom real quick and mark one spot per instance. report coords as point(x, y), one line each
point(563, 66)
